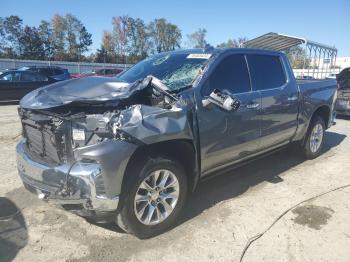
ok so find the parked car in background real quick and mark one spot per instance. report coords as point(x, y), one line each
point(331, 76)
point(304, 77)
point(130, 148)
point(55, 72)
point(14, 84)
point(100, 72)
point(342, 106)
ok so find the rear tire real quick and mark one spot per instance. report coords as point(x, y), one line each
point(314, 139)
point(159, 187)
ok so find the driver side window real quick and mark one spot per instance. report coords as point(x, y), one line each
point(230, 76)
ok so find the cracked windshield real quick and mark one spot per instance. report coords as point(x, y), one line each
point(176, 71)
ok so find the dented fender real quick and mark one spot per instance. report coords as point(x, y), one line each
point(113, 157)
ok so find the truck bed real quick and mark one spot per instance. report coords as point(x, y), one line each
point(307, 81)
point(316, 84)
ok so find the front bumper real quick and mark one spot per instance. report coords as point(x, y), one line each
point(65, 184)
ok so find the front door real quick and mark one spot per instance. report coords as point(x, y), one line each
point(226, 136)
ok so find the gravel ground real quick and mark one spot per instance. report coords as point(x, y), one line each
point(220, 217)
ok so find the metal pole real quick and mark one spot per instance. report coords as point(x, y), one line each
point(308, 68)
point(328, 65)
point(304, 62)
point(319, 61)
point(335, 59)
point(324, 65)
point(314, 65)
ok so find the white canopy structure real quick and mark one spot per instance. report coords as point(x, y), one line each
point(317, 53)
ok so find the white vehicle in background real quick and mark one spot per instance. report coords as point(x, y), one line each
point(332, 76)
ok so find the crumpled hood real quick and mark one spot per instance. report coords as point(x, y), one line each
point(82, 89)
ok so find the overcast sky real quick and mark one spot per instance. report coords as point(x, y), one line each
point(322, 21)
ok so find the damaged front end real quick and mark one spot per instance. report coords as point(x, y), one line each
point(75, 150)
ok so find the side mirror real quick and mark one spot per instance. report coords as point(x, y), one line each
point(224, 101)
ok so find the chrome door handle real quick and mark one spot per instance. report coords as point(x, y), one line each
point(252, 106)
point(292, 98)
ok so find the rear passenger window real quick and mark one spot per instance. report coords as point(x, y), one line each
point(266, 71)
point(56, 71)
point(231, 75)
point(45, 71)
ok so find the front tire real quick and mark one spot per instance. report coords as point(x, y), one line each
point(154, 197)
point(314, 139)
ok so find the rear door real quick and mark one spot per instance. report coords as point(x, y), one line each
point(226, 136)
point(279, 98)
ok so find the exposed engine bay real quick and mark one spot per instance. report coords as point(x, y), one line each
point(137, 113)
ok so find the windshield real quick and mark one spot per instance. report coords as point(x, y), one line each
point(176, 71)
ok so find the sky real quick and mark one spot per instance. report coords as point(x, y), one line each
point(327, 22)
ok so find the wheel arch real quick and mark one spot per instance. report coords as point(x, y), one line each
point(324, 112)
point(182, 150)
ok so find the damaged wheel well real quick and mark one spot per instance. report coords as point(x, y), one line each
point(180, 150)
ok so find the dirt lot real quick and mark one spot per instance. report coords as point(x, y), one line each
point(219, 219)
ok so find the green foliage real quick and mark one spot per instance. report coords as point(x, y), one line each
point(63, 38)
point(233, 43)
point(197, 39)
point(132, 40)
point(32, 45)
point(164, 36)
point(12, 34)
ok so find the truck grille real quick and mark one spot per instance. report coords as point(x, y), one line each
point(44, 143)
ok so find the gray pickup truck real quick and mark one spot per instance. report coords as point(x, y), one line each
point(131, 148)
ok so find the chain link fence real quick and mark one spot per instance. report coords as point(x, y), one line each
point(73, 67)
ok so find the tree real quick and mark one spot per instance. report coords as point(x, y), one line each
point(233, 43)
point(173, 37)
point(84, 40)
point(197, 39)
point(63, 38)
point(32, 46)
point(13, 30)
point(58, 36)
point(2, 36)
point(120, 35)
point(107, 42)
point(164, 35)
point(77, 37)
point(70, 38)
point(138, 39)
point(46, 35)
point(72, 26)
point(106, 52)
